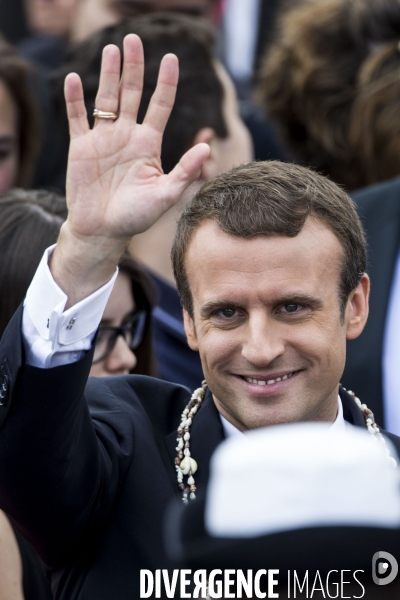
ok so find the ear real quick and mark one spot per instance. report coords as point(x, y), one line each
point(208, 136)
point(190, 331)
point(357, 309)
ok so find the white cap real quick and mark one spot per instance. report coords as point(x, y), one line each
point(295, 476)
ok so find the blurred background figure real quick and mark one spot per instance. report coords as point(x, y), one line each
point(70, 20)
point(205, 110)
point(46, 30)
point(19, 121)
point(57, 25)
point(331, 80)
point(209, 9)
point(244, 34)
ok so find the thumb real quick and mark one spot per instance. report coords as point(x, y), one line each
point(188, 169)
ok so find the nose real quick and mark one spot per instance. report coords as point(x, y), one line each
point(263, 342)
point(121, 360)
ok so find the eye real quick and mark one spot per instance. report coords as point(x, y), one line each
point(227, 313)
point(291, 308)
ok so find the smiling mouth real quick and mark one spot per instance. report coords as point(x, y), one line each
point(269, 381)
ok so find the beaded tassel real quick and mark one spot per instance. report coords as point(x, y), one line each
point(185, 465)
point(372, 427)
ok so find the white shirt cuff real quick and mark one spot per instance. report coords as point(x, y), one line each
point(54, 337)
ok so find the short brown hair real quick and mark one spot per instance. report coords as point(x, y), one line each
point(272, 198)
point(14, 73)
point(331, 80)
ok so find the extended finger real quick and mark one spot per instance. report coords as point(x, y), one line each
point(187, 170)
point(132, 77)
point(162, 101)
point(76, 110)
point(107, 98)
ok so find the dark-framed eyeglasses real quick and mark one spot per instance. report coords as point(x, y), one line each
point(132, 331)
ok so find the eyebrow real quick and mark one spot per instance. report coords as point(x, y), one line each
point(311, 301)
point(213, 305)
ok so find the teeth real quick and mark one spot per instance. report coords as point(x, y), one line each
point(269, 381)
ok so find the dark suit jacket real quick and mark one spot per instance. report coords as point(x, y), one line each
point(379, 209)
point(86, 474)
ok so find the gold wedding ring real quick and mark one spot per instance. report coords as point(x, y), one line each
point(102, 114)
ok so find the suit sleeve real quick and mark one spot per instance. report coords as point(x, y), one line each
point(59, 470)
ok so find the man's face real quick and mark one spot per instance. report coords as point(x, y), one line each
point(267, 322)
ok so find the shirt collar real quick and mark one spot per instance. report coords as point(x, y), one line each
point(338, 424)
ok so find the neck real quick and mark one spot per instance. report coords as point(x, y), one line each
point(327, 413)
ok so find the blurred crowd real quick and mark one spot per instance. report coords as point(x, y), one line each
point(314, 82)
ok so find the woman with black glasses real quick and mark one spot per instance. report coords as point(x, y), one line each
point(30, 222)
point(124, 340)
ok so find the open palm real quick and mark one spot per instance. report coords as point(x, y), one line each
point(115, 182)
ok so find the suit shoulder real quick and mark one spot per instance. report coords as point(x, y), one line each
point(395, 439)
point(161, 400)
point(377, 198)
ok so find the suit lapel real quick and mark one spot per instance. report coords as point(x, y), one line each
point(351, 413)
point(206, 433)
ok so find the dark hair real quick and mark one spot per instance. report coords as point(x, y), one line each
point(146, 297)
point(30, 222)
point(331, 79)
point(130, 8)
point(272, 198)
point(200, 93)
point(14, 73)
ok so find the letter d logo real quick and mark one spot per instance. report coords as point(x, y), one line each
point(380, 568)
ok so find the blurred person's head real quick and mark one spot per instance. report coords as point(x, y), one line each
point(76, 20)
point(30, 222)
point(196, 8)
point(331, 79)
point(19, 121)
point(72, 20)
point(124, 341)
point(205, 109)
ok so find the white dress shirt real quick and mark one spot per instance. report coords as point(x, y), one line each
point(241, 29)
point(53, 337)
point(338, 424)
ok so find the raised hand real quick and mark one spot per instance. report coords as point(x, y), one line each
point(115, 183)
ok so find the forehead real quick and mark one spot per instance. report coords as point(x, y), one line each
point(222, 265)
point(8, 111)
